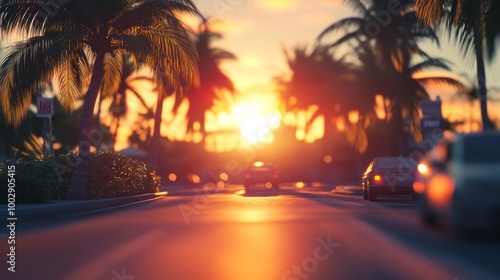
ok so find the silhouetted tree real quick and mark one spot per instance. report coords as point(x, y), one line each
point(84, 40)
point(470, 21)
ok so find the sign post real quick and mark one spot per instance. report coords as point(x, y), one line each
point(431, 115)
point(45, 109)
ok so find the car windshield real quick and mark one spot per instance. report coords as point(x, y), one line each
point(482, 148)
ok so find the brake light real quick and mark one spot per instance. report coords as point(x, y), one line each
point(377, 179)
point(275, 175)
point(418, 187)
point(247, 175)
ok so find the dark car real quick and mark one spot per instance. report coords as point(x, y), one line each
point(389, 176)
point(458, 183)
point(262, 173)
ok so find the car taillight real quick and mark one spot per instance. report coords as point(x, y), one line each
point(275, 175)
point(377, 179)
point(247, 176)
point(418, 187)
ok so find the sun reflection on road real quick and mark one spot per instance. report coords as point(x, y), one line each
point(253, 216)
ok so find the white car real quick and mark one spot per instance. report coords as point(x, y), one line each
point(458, 183)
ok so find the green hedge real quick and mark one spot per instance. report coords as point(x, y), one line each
point(115, 175)
point(110, 175)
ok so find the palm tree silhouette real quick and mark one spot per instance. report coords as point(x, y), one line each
point(82, 40)
point(386, 57)
point(118, 108)
point(469, 21)
point(319, 79)
point(212, 78)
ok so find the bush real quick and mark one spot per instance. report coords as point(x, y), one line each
point(115, 175)
point(110, 175)
point(35, 181)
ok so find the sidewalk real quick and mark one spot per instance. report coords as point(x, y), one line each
point(57, 208)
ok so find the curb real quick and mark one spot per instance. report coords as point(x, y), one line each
point(60, 208)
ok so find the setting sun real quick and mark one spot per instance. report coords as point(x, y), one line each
point(255, 129)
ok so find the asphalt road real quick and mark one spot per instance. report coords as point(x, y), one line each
point(289, 234)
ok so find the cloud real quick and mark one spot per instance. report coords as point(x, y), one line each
point(277, 4)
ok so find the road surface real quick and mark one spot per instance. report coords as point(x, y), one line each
point(289, 234)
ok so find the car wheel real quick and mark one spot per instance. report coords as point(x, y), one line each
point(371, 196)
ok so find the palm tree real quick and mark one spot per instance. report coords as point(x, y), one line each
point(412, 81)
point(118, 108)
point(467, 19)
point(394, 43)
point(319, 79)
point(212, 78)
point(85, 39)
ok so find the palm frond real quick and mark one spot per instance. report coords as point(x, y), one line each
point(27, 68)
point(73, 78)
point(353, 22)
point(219, 54)
point(31, 147)
point(179, 54)
point(113, 69)
point(24, 16)
point(430, 63)
point(152, 12)
point(431, 12)
point(357, 6)
point(443, 82)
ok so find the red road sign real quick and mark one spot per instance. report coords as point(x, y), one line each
point(44, 107)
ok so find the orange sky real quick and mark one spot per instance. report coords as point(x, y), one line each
point(257, 31)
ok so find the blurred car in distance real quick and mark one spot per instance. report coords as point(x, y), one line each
point(458, 183)
point(389, 176)
point(261, 173)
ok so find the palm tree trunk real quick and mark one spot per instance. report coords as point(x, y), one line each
point(117, 126)
point(78, 186)
point(387, 127)
point(328, 128)
point(358, 153)
point(481, 80)
point(155, 142)
point(98, 117)
point(399, 131)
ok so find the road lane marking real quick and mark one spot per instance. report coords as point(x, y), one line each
point(101, 265)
